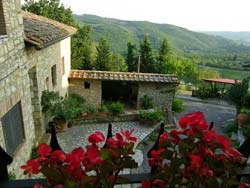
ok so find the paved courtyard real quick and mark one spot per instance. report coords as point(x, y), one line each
point(77, 136)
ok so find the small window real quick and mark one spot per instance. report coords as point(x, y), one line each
point(47, 83)
point(62, 66)
point(2, 20)
point(53, 75)
point(86, 85)
point(13, 129)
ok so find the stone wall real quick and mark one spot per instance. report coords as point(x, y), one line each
point(161, 93)
point(39, 65)
point(14, 80)
point(24, 74)
point(92, 95)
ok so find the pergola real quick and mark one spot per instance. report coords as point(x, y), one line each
point(224, 81)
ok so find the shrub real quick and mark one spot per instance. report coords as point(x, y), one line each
point(245, 111)
point(146, 102)
point(91, 110)
point(48, 99)
point(178, 105)
point(78, 99)
point(246, 130)
point(102, 108)
point(152, 116)
point(116, 108)
point(231, 127)
point(203, 91)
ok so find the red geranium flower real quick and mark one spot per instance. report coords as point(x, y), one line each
point(44, 150)
point(59, 156)
point(31, 167)
point(96, 137)
point(163, 137)
point(244, 185)
point(127, 134)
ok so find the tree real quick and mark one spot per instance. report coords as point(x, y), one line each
point(52, 9)
point(131, 58)
point(147, 60)
point(118, 63)
point(163, 56)
point(82, 53)
point(103, 58)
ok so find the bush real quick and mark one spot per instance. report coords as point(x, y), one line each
point(78, 99)
point(178, 105)
point(245, 111)
point(48, 99)
point(91, 110)
point(152, 116)
point(246, 130)
point(146, 102)
point(203, 91)
point(102, 108)
point(231, 127)
point(116, 108)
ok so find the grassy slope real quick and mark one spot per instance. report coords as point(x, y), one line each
point(119, 32)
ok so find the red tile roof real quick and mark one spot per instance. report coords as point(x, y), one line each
point(122, 76)
point(222, 80)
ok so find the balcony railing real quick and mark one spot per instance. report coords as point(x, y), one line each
point(6, 160)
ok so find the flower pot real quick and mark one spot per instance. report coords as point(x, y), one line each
point(243, 119)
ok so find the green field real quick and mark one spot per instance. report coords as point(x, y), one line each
point(231, 74)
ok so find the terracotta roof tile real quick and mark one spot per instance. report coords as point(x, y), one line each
point(41, 32)
point(122, 76)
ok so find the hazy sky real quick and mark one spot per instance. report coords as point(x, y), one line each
point(213, 15)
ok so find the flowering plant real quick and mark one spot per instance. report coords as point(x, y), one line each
point(193, 156)
point(94, 167)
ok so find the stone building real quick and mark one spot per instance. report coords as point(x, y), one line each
point(97, 86)
point(34, 56)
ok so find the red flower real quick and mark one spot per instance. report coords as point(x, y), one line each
point(44, 150)
point(207, 172)
point(37, 186)
point(58, 186)
point(146, 184)
point(244, 185)
point(175, 134)
point(96, 137)
point(222, 140)
point(120, 139)
point(59, 156)
point(196, 161)
point(195, 119)
point(127, 134)
point(157, 153)
point(31, 167)
point(209, 136)
point(158, 183)
point(163, 137)
point(112, 143)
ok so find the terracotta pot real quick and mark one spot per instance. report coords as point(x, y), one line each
point(61, 126)
point(243, 119)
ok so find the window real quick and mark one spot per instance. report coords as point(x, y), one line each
point(86, 85)
point(2, 20)
point(13, 129)
point(47, 83)
point(53, 75)
point(62, 66)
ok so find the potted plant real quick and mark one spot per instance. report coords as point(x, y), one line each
point(243, 118)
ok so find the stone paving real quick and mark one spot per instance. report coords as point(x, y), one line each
point(77, 136)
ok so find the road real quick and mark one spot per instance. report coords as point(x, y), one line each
point(217, 113)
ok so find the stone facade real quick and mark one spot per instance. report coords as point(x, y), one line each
point(161, 93)
point(92, 95)
point(24, 74)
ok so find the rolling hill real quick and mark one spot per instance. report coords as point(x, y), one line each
point(241, 36)
point(119, 32)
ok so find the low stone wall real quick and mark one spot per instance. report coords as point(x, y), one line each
point(121, 118)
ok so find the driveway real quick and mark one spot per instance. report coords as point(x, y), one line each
point(216, 112)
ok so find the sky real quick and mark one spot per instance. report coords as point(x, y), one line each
point(196, 15)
